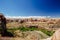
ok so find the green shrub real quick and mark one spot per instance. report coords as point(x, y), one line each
point(23, 29)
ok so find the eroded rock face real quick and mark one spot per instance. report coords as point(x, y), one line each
point(56, 35)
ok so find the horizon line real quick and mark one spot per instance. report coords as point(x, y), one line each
point(31, 17)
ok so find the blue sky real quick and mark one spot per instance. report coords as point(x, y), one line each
point(30, 7)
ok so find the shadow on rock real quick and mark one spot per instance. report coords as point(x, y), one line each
point(7, 34)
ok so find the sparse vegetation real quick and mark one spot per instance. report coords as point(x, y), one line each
point(49, 33)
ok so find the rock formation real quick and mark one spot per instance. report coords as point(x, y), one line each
point(2, 23)
point(56, 35)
